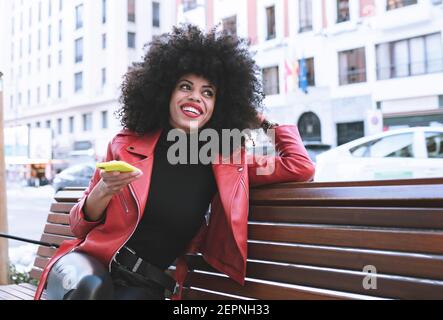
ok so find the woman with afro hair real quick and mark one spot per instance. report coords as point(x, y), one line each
point(130, 227)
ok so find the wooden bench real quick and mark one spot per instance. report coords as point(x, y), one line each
point(313, 241)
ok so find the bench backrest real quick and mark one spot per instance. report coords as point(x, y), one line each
point(320, 241)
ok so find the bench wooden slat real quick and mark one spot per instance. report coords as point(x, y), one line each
point(255, 289)
point(333, 279)
point(45, 252)
point(58, 218)
point(387, 262)
point(68, 195)
point(35, 273)
point(25, 290)
point(55, 239)
point(6, 295)
point(398, 196)
point(427, 218)
point(13, 290)
point(58, 230)
point(195, 294)
point(404, 241)
point(62, 207)
point(41, 262)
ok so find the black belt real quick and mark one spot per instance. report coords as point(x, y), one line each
point(127, 258)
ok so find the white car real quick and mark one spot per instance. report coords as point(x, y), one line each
point(398, 154)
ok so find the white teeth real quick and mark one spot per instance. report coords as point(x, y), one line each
point(191, 109)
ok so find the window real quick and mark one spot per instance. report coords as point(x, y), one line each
point(103, 76)
point(189, 5)
point(29, 97)
point(310, 72)
point(39, 39)
point(305, 15)
point(60, 28)
point(230, 25)
point(395, 4)
point(434, 144)
point(131, 10)
point(48, 123)
point(87, 121)
point(48, 91)
point(29, 44)
point(105, 119)
point(104, 41)
point(71, 124)
point(103, 11)
point(271, 81)
point(395, 146)
point(79, 50)
point(49, 61)
point(38, 95)
point(131, 40)
point(409, 57)
point(60, 57)
point(49, 8)
point(59, 126)
point(270, 23)
point(59, 91)
point(352, 66)
point(156, 14)
point(342, 11)
point(78, 81)
point(39, 11)
point(60, 5)
point(49, 36)
point(79, 16)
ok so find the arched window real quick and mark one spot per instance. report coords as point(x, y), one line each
point(309, 127)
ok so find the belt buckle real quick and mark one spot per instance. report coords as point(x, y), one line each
point(127, 248)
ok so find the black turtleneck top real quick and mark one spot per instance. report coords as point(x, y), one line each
point(178, 199)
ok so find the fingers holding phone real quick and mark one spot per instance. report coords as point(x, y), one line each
point(116, 175)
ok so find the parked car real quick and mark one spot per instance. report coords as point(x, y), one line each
point(75, 176)
point(316, 148)
point(397, 154)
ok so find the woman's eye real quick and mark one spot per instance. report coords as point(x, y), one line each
point(208, 93)
point(185, 86)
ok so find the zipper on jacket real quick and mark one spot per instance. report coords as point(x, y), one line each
point(244, 187)
point(123, 201)
point(133, 231)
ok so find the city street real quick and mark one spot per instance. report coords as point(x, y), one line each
point(27, 209)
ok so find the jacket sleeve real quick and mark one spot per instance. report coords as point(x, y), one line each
point(80, 227)
point(291, 163)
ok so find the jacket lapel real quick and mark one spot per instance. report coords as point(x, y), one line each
point(142, 146)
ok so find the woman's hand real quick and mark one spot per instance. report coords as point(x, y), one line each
point(109, 184)
point(113, 182)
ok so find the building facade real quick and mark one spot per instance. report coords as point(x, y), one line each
point(63, 64)
point(339, 69)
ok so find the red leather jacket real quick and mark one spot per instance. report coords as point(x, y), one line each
point(223, 242)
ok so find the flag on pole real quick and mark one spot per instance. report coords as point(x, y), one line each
point(303, 76)
point(291, 76)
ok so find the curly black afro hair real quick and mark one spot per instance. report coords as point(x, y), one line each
point(224, 60)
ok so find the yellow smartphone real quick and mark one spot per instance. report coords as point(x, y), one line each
point(116, 166)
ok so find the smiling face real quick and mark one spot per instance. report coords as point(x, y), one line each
point(192, 102)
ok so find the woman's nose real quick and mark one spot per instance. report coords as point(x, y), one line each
point(194, 97)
